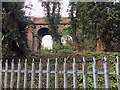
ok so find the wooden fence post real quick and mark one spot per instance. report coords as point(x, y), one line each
point(56, 74)
point(84, 66)
point(65, 74)
point(18, 74)
point(74, 74)
point(40, 74)
point(106, 73)
point(12, 74)
point(95, 74)
point(48, 75)
point(118, 72)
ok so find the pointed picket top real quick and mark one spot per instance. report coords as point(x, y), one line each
point(117, 58)
point(64, 60)
point(19, 61)
point(94, 59)
point(12, 60)
point(74, 60)
point(84, 60)
point(40, 61)
point(33, 60)
point(56, 60)
point(12, 63)
point(40, 65)
point(12, 66)
point(105, 59)
point(25, 61)
point(33, 63)
point(6, 61)
point(48, 61)
point(6, 64)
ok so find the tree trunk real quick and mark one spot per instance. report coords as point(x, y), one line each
point(103, 43)
point(76, 43)
point(76, 40)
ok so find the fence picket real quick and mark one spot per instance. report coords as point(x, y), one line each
point(25, 74)
point(56, 74)
point(106, 73)
point(48, 74)
point(74, 74)
point(84, 65)
point(118, 72)
point(32, 74)
point(95, 73)
point(6, 74)
point(0, 74)
point(18, 74)
point(65, 73)
point(12, 74)
point(40, 74)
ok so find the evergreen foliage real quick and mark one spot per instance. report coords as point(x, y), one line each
point(52, 10)
point(14, 30)
point(100, 20)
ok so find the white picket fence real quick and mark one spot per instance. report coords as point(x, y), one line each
point(84, 71)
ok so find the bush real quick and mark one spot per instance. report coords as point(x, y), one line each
point(65, 51)
point(46, 51)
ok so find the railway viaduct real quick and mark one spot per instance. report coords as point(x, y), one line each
point(41, 29)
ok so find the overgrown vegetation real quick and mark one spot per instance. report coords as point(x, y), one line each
point(93, 27)
point(52, 10)
point(14, 30)
point(101, 20)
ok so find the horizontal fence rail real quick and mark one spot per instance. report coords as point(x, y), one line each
point(65, 72)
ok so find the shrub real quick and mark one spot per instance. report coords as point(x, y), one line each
point(65, 51)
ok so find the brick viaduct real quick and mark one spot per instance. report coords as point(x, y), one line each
point(41, 28)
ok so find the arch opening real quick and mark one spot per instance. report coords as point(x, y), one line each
point(44, 39)
point(47, 42)
point(41, 33)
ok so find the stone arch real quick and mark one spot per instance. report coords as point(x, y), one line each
point(40, 34)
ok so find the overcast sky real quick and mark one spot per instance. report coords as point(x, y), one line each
point(37, 10)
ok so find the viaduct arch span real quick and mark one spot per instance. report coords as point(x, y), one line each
point(41, 29)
